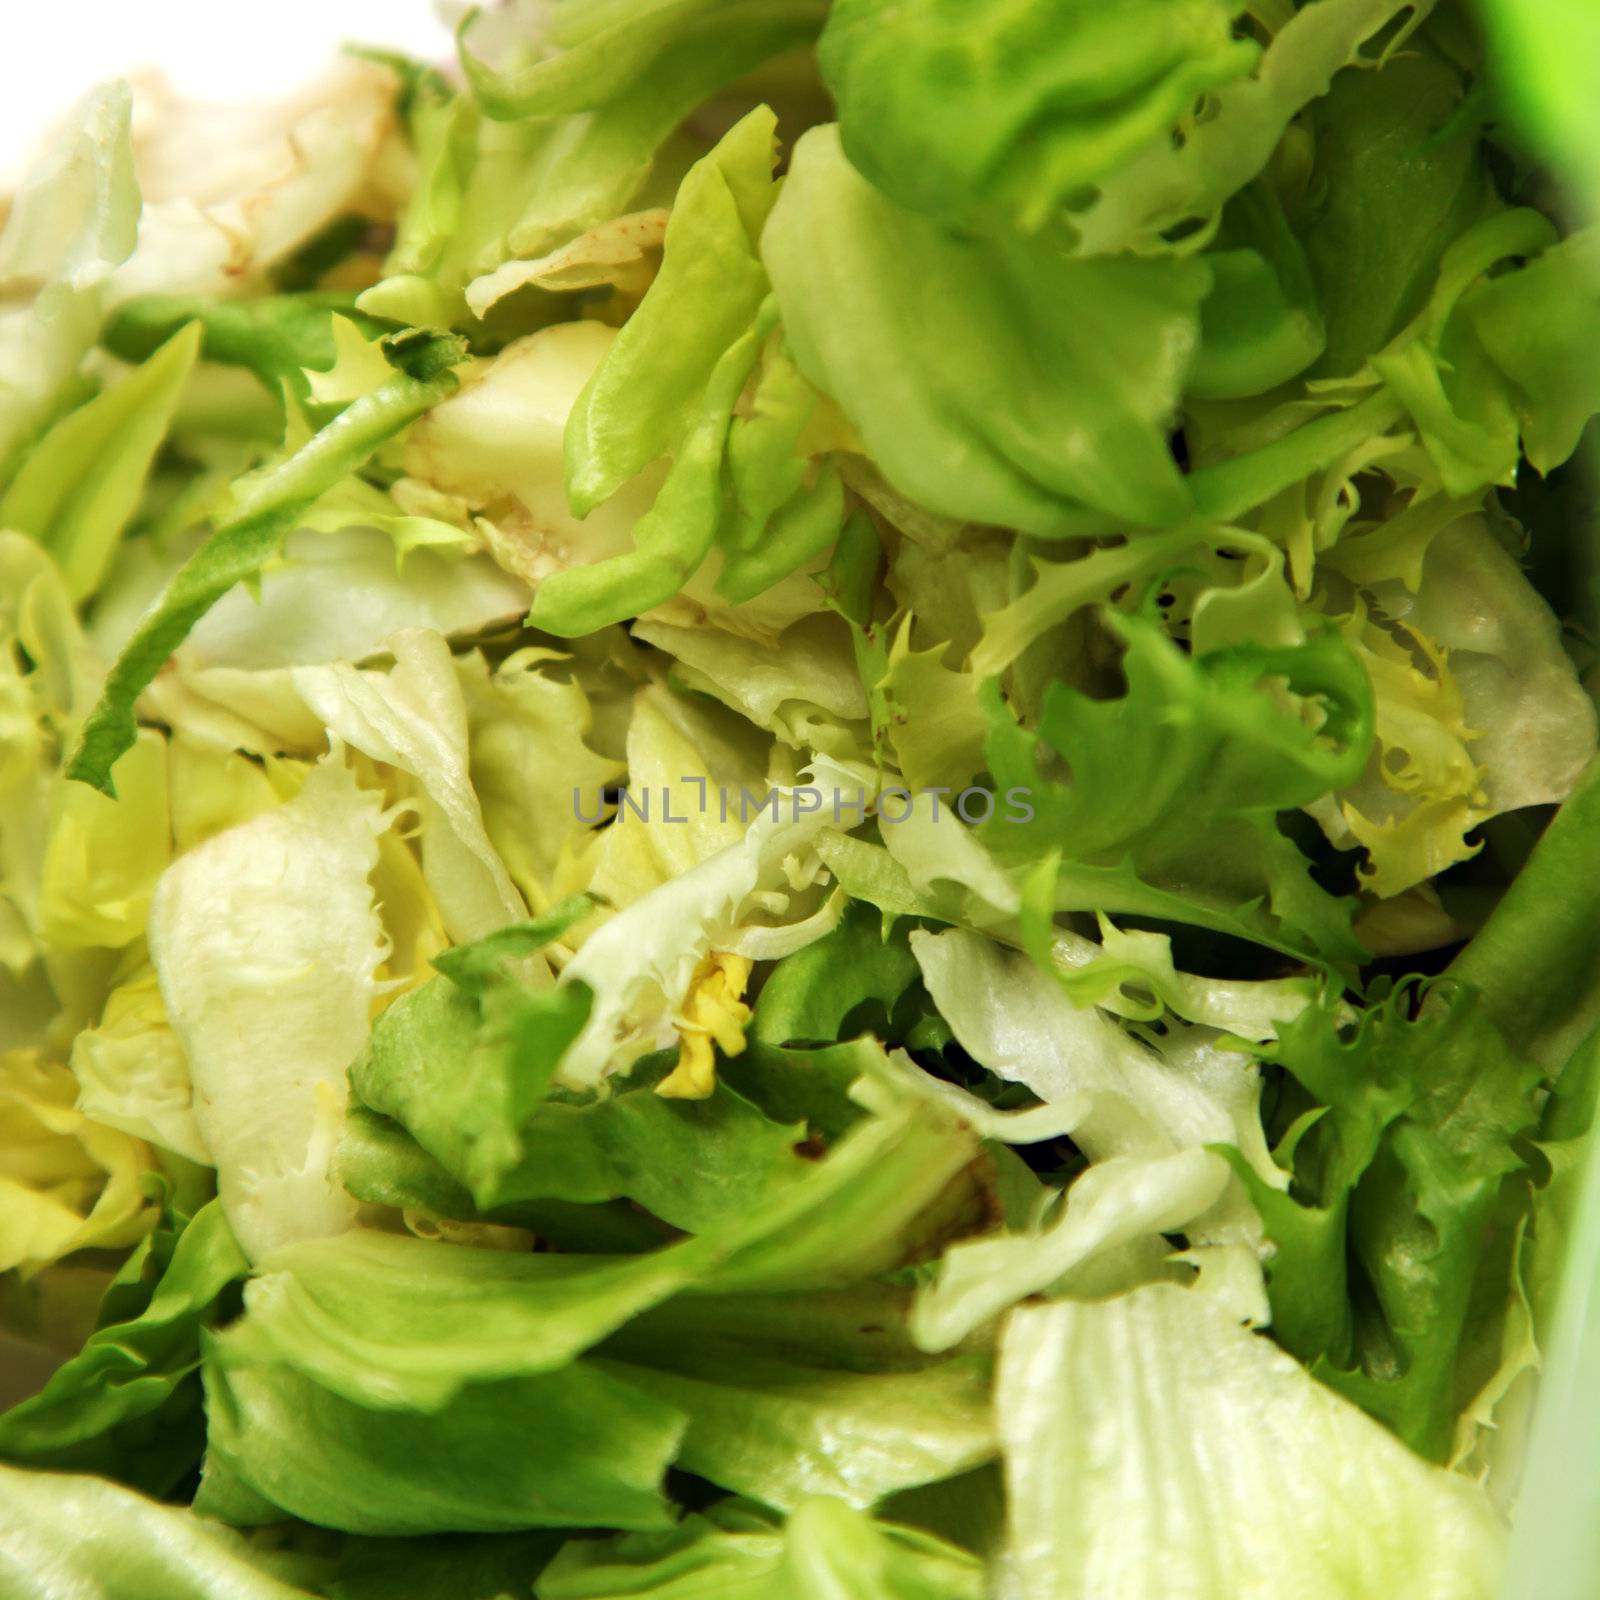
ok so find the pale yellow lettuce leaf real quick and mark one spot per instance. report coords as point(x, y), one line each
point(267, 943)
point(66, 1183)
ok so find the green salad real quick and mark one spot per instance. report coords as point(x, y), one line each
point(799, 802)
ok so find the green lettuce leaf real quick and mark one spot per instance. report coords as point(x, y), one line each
point(580, 120)
point(802, 686)
point(82, 482)
point(645, 395)
point(1172, 189)
point(587, 55)
point(852, 977)
point(1400, 1163)
point(737, 1551)
point(1001, 115)
point(441, 128)
point(128, 1405)
point(743, 1151)
point(632, 73)
point(692, 1163)
point(390, 1322)
point(763, 1416)
point(787, 1398)
point(1262, 322)
point(1534, 961)
point(674, 537)
point(282, 339)
point(62, 1535)
point(1395, 180)
point(781, 521)
point(668, 384)
point(567, 1448)
point(1541, 327)
point(444, 1567)
point(1497, 362)
point(1053, 390)
point(1188, 809)
point(465, 1060)
point(379, 1162)
point(330, 1348)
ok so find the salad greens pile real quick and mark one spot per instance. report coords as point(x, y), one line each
point(801, 800)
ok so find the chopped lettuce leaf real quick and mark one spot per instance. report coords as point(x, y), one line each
point(572, 1448)
point(233, 190)
point(263, 511)
point(1031, 112)
point(776, 1429)
point(73, 219)
point(672, 539)
point(1399, 1165)
point(1478, 708)
point(1108, 1224)
point(102, 857)
point(281, 624)
point(969, 418)
point(643, 398)
point(584, 57)
point(58, 1529)
point(738, 1551)
point(1215, 739)
point(464, 1062)
point(67, 1183)
point(132, 1073)
point(268, 932)
point(1393, 182)
point(538, 179)
point(1174, 188)
point(534, 764)
point(414, 718)
point(82, 482)
point(127, 1405)
point(283, 339)
point(1147, 1112)
point(640, 964)
point(390, 1322)
point(1109, 1490)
